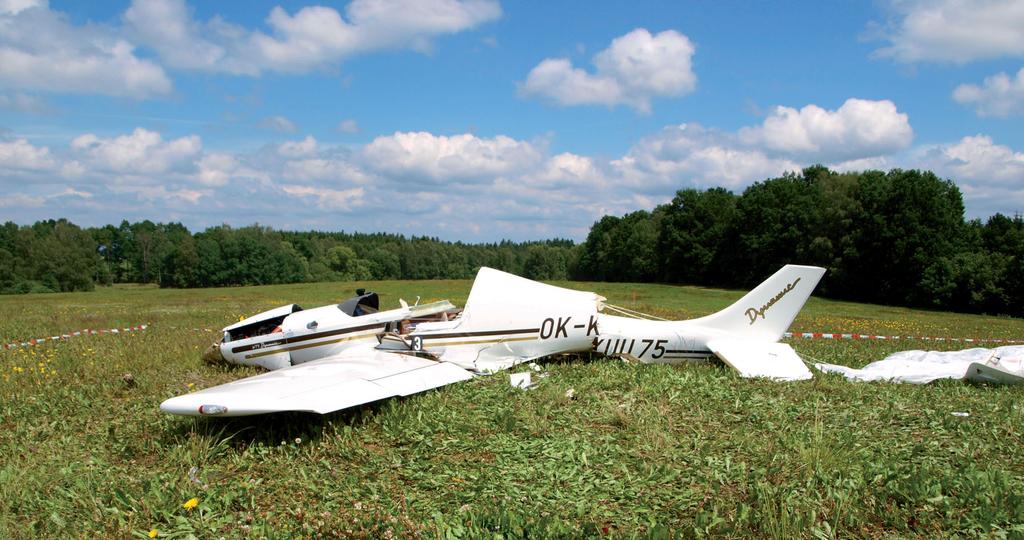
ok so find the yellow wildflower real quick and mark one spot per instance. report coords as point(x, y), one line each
point(191, 503)
point(153, 533)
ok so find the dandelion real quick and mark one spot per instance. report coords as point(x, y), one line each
point(191, 385)
point(153, 533)
point(191, 503)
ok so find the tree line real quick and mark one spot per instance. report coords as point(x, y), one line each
point(896, 237)
point(59, 256)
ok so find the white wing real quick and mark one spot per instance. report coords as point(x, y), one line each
point(351, 378)
point(758, 359)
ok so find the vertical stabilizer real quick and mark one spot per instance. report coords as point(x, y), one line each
point(766, 312)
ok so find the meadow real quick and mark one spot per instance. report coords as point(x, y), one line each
point(638, 451)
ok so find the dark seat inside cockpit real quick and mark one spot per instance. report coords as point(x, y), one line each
point(363, 303)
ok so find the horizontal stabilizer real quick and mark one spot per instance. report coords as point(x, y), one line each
point(757, 359)
point(322, 386)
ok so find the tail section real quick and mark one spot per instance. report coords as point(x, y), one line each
point(766, 312)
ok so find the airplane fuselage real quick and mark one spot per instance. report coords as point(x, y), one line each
point(296, 336)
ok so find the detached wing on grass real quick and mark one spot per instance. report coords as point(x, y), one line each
point(1002, 365)
point(346, 380)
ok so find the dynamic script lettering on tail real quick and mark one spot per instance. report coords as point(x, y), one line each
point(753, 312)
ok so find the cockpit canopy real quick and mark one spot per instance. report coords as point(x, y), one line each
point(364, 303)
point(267, 322)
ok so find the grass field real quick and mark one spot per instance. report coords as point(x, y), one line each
point(642, 451)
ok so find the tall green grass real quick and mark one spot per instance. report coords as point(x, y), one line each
point(638, 452)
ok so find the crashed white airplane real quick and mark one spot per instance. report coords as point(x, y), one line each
point(339, 356)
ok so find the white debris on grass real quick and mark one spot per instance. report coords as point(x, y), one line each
point(520, 380)
point(922, 367)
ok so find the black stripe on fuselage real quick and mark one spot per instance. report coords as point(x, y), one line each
point(476, 334)
point(687, 351)
point(307, 337)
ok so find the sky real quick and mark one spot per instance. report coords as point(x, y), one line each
point(480, 120)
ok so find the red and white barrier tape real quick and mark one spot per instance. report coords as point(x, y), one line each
point(823, 335)
point(64, 337)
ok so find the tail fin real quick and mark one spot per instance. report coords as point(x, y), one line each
point(767, 311)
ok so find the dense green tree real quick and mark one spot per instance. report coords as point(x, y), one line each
point(967, 281)
point(180, 262)
point(384, 262)
point(63, 256)
point(346, 265)
point(832, 238)
point(598, 251)
point(545, 262)
point(692, 238)
point(908, 221)
point(772, 225)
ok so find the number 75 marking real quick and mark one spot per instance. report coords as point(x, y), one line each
point(659, 347)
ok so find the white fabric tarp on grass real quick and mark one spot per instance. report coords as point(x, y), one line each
point(999, 365)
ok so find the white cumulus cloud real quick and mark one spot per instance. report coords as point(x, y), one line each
point(634, 69)
point(41, 50)
point(167, 26)
point(295, 149)
point(21, 154)
point(689, 155)
point(999, 96)
point(568, 169)
point(441, 157)
point(858, 129)
point(334, 171)
point(954, 30)
point(141, 152)
point(978, 159)
point(990, 175)
point(312, 37)
point(216, 169)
